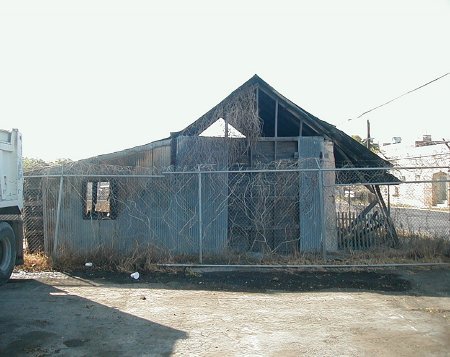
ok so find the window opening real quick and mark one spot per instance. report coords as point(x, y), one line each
point(98, 200)
point(217, 129)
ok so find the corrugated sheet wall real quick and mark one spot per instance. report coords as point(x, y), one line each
point(147, 214)
point(311, 149)
point(159, 212)
point(155, 155)
point(281, 210)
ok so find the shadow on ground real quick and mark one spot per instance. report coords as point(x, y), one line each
point(411, 281)
point(39, 320)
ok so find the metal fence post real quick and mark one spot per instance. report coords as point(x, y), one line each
point(58, 214)
point(322, 213)
point(200, 217)
point(389, 199)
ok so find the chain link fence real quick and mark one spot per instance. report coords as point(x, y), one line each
point(419, 205)
point(264, 215)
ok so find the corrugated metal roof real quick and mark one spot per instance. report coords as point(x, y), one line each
point(347, 150)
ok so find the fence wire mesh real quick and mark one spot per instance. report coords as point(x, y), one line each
point(226, 215)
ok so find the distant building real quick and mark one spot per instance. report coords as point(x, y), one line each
point(423, 153)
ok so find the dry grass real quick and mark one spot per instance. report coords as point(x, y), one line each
point(426, 248)
point(413, 249)
point(36, 262)
point(146, 258)
point(141, 258)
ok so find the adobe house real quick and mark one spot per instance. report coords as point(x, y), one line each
point(424, 153)
point(261, 130)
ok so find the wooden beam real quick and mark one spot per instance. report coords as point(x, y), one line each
point(276, 130)
point(286, 107)
point(389, 223)
point(226, 125)
point(280, 138)
point(276, 118)
point(257, 101)
point(257, 112)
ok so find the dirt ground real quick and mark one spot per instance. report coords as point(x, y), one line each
point(377, 312)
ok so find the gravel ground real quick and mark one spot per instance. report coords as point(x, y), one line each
point(397, 312)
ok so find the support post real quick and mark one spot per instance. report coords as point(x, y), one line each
point(389, 224)
point(58, 214)
point(389, 199)
point(226, 126)
point(200, 217)
point(323, 234)
point(257, 101)
point(276, 130)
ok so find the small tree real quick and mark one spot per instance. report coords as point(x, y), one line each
point(373, 146)
point(30, 164)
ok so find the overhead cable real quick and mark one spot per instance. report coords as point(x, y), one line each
point(400, 96)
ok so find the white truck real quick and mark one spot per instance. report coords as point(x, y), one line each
point(11, 202)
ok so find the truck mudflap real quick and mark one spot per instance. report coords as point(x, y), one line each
point(18, 231)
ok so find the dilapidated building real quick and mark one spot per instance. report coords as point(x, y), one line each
point(263, 183)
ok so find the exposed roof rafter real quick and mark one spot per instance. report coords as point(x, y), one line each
point(346, 147)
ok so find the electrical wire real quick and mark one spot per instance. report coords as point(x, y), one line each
point(400, 96)
point(420, 157)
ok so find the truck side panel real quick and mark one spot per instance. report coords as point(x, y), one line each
point(11, 171)
point(11, 192)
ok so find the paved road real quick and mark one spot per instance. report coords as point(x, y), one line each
point(52, 314)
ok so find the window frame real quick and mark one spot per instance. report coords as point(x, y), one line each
point(93, 213)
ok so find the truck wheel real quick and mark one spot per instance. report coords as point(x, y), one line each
point(7, 251)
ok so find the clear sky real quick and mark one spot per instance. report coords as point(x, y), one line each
point(81, 78)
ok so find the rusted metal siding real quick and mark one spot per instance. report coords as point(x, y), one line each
point(164, 211)
point(210, 154)
point(155, 155)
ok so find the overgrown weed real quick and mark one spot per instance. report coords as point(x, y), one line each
point(144, 258)
point(36, 262)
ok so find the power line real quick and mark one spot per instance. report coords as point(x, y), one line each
point(419, 157)
point(400, 96)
